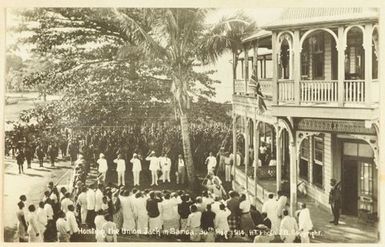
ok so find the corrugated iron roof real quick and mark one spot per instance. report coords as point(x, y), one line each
point(260, 34)
point(305, 16)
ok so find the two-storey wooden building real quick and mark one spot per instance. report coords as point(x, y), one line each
point(318, 71)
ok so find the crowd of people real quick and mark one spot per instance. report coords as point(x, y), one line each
point(27, 144)
point(108, 211)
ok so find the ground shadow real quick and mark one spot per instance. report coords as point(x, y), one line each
point(40, 169)
point(33, 175)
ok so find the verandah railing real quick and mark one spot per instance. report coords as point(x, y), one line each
point(354, 91)
point(319, 91)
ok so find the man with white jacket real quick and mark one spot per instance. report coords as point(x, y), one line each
point(154, 167)
point(120, 169)
point(136, 168)
point(166, 167)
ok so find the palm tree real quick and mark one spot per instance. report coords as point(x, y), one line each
point(179, 40)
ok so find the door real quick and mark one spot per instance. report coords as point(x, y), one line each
point(349, 187)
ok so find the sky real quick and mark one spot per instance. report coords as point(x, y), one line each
point(262, 16)
point(223, 66)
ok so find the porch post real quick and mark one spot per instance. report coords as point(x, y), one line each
point(297, 66)
point(255, 69)
point(341, 46)
point(278, 158)
point(247, 138)
point(368, 63)
point(275, 68)
point(245, 50)
point(381, 77)
point(235, 61)
point(234, 147)
point(293, 177)
point(256, 158)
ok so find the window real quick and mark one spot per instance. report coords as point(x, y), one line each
point(317, 50)
point(305, 60)
point(366, 179)
point(318, 154)
point(304, 159)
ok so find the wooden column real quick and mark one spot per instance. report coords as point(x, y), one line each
point(247, 158)
point(381, 77)
point(256, 158)
point(341, 65)
point(234, 146)
point(264, 67)
point(368, 63)
point(293, 177)
point(256, 59)
point(246, 56)
point(278, 159)
point(297, 66)
point(275, 68)
point(235, 61)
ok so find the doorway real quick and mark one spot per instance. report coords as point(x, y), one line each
point(349, 187)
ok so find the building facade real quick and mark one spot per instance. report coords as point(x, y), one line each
point(318, 73)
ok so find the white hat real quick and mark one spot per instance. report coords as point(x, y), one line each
point(101, 155)
point(152, 152)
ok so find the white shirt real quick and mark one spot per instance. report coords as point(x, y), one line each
point(154, 163)
point(98, 200)
point(238, 159)
point(136, 164)
point(62, 226)
point(304, 220)
point(220, 221)
point(121, 165)
point(194, 220)
point(49, 211)
point(288, 227)
point(99, 222)
point(244, 206)
point(211, 162)
point(82, 199)
point(73, 225)
point(102, 165)
point(167, 209)
point(41, 218)
point(166, 163)
point(91, 199)
point(180, 162)
point(65, 203)
point(139, 206)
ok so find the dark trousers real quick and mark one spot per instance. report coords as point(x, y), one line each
point(21, 168)
point(74, 237)
point(41, 162)
point(90, 218)
point(29, 161)
point(336, 212)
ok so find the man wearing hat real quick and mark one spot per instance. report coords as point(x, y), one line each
point(335, 200)
point(154, 167)
point(121, 169)
point(136, 168)
point(102, 162)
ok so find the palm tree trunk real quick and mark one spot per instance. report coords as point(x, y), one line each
point(187, 150)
